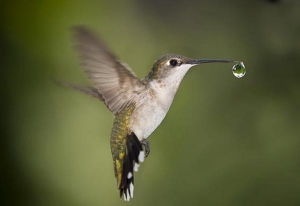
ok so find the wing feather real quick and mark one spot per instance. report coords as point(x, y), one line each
point(116, 83)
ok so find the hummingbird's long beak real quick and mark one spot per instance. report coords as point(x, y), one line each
point(201, 61)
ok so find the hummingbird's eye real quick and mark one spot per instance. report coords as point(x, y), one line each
point(173, 62)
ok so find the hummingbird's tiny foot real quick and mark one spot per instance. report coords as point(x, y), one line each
point(146, 146)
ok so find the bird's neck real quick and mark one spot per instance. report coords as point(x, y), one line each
point(165, 88)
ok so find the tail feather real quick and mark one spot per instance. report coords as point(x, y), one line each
point(133, 156)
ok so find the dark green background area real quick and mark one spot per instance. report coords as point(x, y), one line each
point(225, 141)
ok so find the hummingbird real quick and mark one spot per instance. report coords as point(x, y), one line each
point(138, 105)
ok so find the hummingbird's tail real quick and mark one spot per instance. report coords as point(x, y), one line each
point(87, 90)
point(133, 156)
point(127, 160)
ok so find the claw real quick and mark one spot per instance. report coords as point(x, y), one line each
point(146, 146)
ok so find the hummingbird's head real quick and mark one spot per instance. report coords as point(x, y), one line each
point(175, 65)
point(169, 64)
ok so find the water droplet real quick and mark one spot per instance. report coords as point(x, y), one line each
point(239, 70)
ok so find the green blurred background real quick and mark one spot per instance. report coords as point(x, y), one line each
point(225, 141)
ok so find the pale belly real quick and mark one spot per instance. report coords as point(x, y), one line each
point(152, 107)
point(146, 118)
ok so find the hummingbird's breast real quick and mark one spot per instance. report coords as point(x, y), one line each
point(151, 108)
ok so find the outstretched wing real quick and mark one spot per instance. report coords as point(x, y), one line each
point(115, 83)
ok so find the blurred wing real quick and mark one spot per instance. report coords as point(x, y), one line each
point(116, 84)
